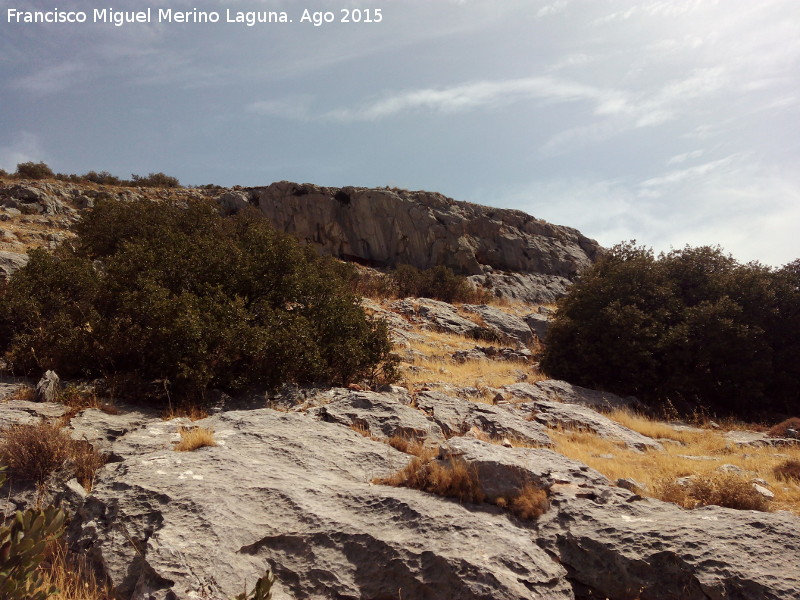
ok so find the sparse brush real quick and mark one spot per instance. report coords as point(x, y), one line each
point(85, 462)
point(72, 575)
point(788, 470)
point(361, 429)
point(34, 452)
point(23, 392)
point(531, 503)
point(187, 411)
point(193, 438)
point(720, 489)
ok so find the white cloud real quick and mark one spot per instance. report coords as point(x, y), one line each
point(682, 158)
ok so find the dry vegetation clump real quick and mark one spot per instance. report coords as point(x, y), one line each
point(72, 575)
point(788, 471)
point(23, 392)
point(451, 480)
point(780, 430)
point(456, 479)
point(531, 503)
point(185, 411)
point(35, 452)
point(720, 489)
point(410, 445)
point(193, 438)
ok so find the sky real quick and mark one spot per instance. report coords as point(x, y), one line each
point(669, 122)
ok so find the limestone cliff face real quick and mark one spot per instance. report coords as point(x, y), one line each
point(387, 227)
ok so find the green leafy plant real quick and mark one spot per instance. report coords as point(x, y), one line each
point(22, 548)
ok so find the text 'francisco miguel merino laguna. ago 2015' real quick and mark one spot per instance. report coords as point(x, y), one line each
point(169, 15)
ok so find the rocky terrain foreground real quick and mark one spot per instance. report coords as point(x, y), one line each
point(293, 490)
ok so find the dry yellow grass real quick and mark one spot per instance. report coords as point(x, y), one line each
point(193, 413)
point(72, 575)
point(193, 438)
point(654, 469)
point(437, 365)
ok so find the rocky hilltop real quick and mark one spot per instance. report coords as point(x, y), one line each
point(509, 251)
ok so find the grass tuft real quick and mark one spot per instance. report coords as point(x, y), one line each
point(530, 504)
point(193, 438)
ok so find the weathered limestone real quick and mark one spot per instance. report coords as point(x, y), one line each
point(423, 229)
point(285, 492)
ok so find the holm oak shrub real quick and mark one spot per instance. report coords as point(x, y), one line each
point(687, 328)
point(175, 293)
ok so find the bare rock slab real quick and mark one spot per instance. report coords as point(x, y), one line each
point(651, 550)
point(292, 494)
point(380, 414)
point(575, 416)
point(455, 417)
point(561, 391)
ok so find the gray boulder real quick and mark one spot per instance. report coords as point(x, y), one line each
point(530, 288)
point(508, 325)
point(49, 387)
point(561, 391)
point(380, 414)
point(424, 229)
point(434, 314)
point(10, 262)
point(582, 418)
point(539, 324)
point(456, 417)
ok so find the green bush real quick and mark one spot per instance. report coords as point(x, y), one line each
point(439, 283)
point(102, 178)
point(180, 295)
point(22, 548)
point(155, 180)
point(32, 170)
point(691, 327)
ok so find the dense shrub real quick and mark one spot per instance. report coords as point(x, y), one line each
point(690, 327)
point(3, 173)
point(32, 170)
point(180, 295)
point(102, 178)
point(439, 283)
point(155, 180)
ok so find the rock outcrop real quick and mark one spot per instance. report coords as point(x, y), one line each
point(293, 494)
point(387, 227)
